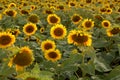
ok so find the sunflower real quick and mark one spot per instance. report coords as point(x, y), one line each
point(10, 12)
point(11, 5)
point(72, 3)
point(118, 10)
point(25, 12)
point(102, 10)
point(29, 28)
point(79, 38)
point(98, 17)
point(106, 23)
point(108, 11)
point(1, 8)
point(6, 39)
point(32, 7)
point(42, 29)
point(88, 1)
point(0, 16)
point(113, 31)
point(60, 7)
point(52, 55)
point(48, 11)
point(88, 24)
point(58, 31)
point(48, 44)
point(53, 19)
point(23, 58)
point(33, 18)
point(76, 18)
point(16, 32)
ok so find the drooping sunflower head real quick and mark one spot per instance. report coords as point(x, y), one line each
point(6, 39)
point(58, 31)
point(24, 57)
point(106, 23)
point(79, 38)
point(53, 19)
point(88, 24)
point(33, 18)
point(10, 12)
point(76, 18)
point(29, 28)
point(113, 31)
point(53, 55)
point(48, 44)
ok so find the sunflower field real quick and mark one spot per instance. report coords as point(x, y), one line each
point(59, 39)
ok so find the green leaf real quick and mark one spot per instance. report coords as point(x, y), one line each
point(90, 52)
point(36, 69)
point(73, 78)
point(84, 78)
point(88, 68)
point(114, 74)
point(101, 65)
point(74, 58)
point(119, 48)
point(5, 70)
point(98, 77)
point(70, 68)
point(102, 42)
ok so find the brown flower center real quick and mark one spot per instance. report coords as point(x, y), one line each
point(61, 7)
point(1, 8)
point(103, 9)
point(24, 12)
point(52, 55)
point(80, 39)
point(88, 1)
point(48, 12)
point(72, 4)
point(53, 19)
point(48, 46)
point(23, 59)
point(10, 13)
point(76, 18)
point(5, 39)
point(115, 31)
point(29, 29)
point(119, 10)
point(88, 24)
point(58, 31)
point(106, 24)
